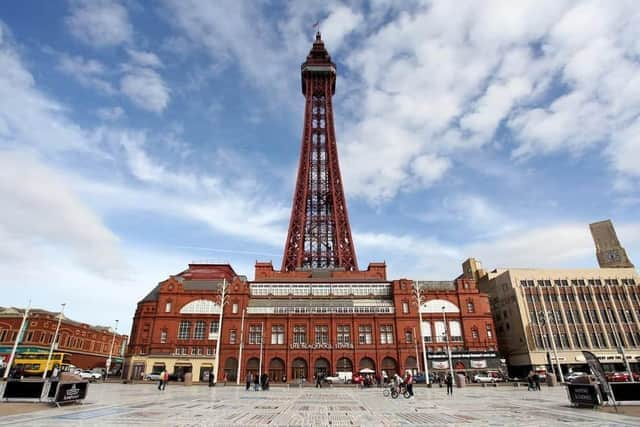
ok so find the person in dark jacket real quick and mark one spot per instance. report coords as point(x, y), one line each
point(449, 382)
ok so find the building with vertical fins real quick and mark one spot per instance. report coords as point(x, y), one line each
point(319, 314)
point(545, 318)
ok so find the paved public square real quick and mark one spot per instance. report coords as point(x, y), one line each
point(143, 404)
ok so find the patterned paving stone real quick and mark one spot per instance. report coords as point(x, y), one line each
point(123, 405)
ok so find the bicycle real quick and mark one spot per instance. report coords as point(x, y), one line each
point(394, 392)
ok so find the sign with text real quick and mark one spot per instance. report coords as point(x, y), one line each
point(584, 394)
point(440, 365)
point(320, 346)
point(71, 392)
point(478, 363)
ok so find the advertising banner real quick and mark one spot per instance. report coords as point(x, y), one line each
point(478, 363)
point(596, 369)
point(71, 392)
point(440, 364)
point(584, 394)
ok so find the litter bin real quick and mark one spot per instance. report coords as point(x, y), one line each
point(460, 380)
point(188, 378)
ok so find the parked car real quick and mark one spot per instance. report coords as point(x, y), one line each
point(487, 378)
point(333, 379)
point(88, 375)
point(420, 378)
point(574, 375)
point(154, 376)
point(613, 377)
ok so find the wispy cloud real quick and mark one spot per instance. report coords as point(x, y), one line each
point(99, 23)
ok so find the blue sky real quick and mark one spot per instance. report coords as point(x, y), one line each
point(137, 137)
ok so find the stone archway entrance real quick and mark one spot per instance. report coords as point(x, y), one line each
point(299, 369)
point(344, 365)
point(367, 363)
point(276, 370)
point(322, 367)
point(230, 369)
point(253, 365)
point(390, 366)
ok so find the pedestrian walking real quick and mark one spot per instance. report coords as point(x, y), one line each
point(409, 381)
point(530, 384)
point(256, 382)
point(249, 379)
point(536, 381)
point(161, 380)
point(449, 382)
point(165, 379)
point(210, 378)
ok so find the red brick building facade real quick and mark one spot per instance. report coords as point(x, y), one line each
point(308, 322)
point(88, 346)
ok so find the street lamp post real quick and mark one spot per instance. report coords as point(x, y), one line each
point(18, 338)
point(223, 302)
point(261, 341)
point(53, 342)
point(240, 349)
point(113, 340)
point(446, 337)
point(553, 346)
point(619, 345)
point(416, 292)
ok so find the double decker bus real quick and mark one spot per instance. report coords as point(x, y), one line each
point(33, 364)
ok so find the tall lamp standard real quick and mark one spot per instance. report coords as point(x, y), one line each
point(619, 344)
point(18, 339)
point(240, 349)
point(113, 340)
point(53, 342)
point(416, 293)
point(446, 338)
point(223, 302)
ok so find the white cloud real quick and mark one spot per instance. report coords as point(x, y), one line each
point(110, 113)
point(99, 23)
point(144, 59)
point(339, 24)
point(40, 212)
point(28, 117)
point(145, 88)
point(88, 72)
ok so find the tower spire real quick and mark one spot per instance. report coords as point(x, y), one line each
point(319, 234)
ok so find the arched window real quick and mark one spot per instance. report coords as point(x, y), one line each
point(435, 306)
point(201, 306)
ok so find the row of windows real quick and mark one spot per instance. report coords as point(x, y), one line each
point(264, 289)
point(305, 310)
point(581, 296)
point(185, 331)
point(195, 351)
point(590, 316)
point(577, 282)
point(321, 334)
point(598, 340)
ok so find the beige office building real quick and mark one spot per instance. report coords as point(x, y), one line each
point(543, 314)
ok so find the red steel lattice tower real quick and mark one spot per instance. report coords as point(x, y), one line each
point(319, 233)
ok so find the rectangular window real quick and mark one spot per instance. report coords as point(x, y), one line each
point(255, 334)
point(299, 334)
point(364, 334)
point(209, 351)
point(3, 335)
point(167, 307)
point(426, 331)
point(386, 334)
point(474, 334)
point(234, 308)
point(163, 337)
point(440, 331)
point(489, 332)
point(322, 335)
point(277, 334)
point(408, 337)
point(344, 334)
point(470, 307)
point(405, 307)
point(184, 329)
point(232, 336)
point(198, 331)
point(214, 328)
point(29, 336)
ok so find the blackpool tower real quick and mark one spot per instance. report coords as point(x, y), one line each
point(319, 234)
